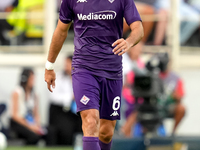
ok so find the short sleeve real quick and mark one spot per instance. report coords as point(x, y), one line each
point(130, 12)
point(66, 13)
point(179, 90)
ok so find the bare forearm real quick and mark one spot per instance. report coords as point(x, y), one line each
point(136, 33)
point(56, 44)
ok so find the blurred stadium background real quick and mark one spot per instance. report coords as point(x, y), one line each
point(33, 52)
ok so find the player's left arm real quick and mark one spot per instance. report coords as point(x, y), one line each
point(136, 34)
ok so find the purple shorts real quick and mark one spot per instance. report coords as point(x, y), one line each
point(94, 92)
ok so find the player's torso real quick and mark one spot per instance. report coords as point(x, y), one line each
point(97, 24)
point(97, 17)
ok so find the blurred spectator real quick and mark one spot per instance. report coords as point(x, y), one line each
point(25, 120)
point(2, 108)
point(3, 111)
point(26, 27)
point(194, 3)
point(162, 9)
point(192, 22)
point(62, 111)
point(189, 18)
point(173, 92)
point(6, 6)
point(2, 127)
point(169, 103)
point(130, 63)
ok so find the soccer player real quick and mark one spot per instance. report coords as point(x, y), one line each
point(97, 61)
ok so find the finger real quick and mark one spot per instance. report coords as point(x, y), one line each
point(49, 87)
point(122, 52)
point(117, 42)
point(121, 49)
point(118, 46)
point(53, 84)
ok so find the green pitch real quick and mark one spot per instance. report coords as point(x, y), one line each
point(39, 148)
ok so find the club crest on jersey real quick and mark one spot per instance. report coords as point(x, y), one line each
point(84, 100)
point(111, 1)
point(81, 1)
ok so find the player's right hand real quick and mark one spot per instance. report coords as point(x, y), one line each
point(50, 78)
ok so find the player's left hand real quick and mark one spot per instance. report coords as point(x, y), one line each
point(121, 46)
point(50, 78)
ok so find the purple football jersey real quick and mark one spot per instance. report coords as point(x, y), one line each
point(97, 25)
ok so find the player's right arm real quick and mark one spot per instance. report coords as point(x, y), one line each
point(59, 36)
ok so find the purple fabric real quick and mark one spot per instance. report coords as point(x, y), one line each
point(97, 24)
point(149, 2)
point(105, 146)
point(129, 109)
point(91, 143)
point(94, 92)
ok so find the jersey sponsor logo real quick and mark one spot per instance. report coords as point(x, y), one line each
point(115, 113)
point(100, 15)
point(81, 1)
point(111, 1)
point(84, 100)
